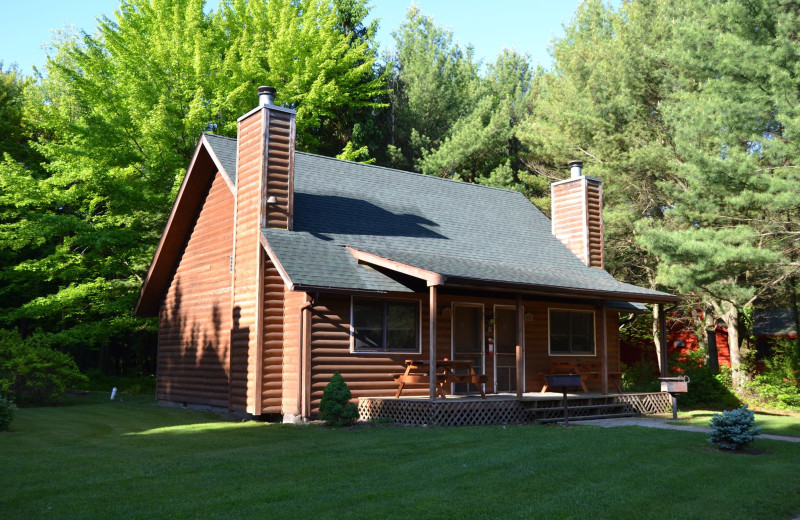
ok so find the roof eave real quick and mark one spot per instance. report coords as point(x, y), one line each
point(593, 294)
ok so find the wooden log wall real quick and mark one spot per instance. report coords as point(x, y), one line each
point(577, 218)
point(248, 260)
point(280, 166)
point(194, 320)
point(273, 343)
point(370, 375)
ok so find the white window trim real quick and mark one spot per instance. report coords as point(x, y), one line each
point(572, 354)
point(352, 329)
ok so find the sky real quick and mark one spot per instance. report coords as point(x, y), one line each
point(527, 26)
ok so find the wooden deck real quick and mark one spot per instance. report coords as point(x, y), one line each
point(467, 410)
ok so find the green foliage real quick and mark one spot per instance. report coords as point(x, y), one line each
point(777, 385)
point(97, 381)
point(34, 374)
point(7, 411)
point(733, 429)
point(641, 376)
point(706, 388)
point(433, 83)
point(335, 408)
point(114, 121)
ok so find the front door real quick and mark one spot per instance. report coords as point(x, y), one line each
point(505, 348)
point(468, 339)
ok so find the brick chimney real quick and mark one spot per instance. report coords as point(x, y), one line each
point(577, 215)
point(264, 198)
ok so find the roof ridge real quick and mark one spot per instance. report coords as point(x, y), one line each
point(220, 136)
point(421, 175)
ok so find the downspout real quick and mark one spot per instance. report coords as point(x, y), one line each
point(305, 351)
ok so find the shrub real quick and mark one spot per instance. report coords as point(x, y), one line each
point(777, 385)
point(707, 389)
point(640, 377)
point(335, 407)
point(31, 374)
point(7, 409)
point(734, 429)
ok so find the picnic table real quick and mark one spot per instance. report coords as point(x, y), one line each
point(587, 370)
point(418, 370)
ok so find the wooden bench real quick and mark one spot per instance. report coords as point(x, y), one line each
point(416, 373)
point(594, 371)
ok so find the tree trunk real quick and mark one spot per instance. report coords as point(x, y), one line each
point(731, 318)
point(657, 336)
point(710, 321)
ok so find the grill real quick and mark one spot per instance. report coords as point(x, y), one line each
point(674, 385)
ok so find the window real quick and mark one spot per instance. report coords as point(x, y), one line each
point(571, 332)
point(385, 326)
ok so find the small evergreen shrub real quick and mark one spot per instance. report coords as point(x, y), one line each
point(734, 429)
point(335, 407)
point(32, 374)
point(7, 409)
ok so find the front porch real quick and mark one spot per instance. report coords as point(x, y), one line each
point(469, 410)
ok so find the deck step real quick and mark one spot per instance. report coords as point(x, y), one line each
point(579, 412)
point(587, 417)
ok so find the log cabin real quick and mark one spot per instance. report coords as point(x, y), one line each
point(277, 268)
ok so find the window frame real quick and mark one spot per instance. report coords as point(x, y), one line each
point(550, 352)
point(384, 303)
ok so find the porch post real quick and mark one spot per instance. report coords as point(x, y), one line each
point(520, 325)
point(662, 333)
point(432, 342)
point(604, 342)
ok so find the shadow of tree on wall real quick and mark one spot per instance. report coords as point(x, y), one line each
point(193, 351)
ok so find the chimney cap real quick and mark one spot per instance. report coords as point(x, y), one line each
point(266, 95)
point(266, 90)
point(575, 168)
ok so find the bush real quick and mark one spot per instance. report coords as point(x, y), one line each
point(34, 375)
point(335, 407)
point(777, 386)
point(7, 409)
point(640, 377)
point(707, 389)
point(734, 429)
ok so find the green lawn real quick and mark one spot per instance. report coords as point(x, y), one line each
point(774, 423)
point(136, 459)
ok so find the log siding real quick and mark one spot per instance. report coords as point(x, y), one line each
point(370, 375)
point(194, 319)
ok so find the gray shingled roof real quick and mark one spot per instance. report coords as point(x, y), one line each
point(460, 230)
point(225, 150)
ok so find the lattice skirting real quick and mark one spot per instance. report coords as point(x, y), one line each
point(442, 413)
point(656, 402)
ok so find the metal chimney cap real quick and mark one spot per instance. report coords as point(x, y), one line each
point(266, 95)
point(575, 168)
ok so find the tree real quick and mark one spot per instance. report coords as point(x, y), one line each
point(433, 83)
point(730, 232)
point(116, 119)
point(483, 146)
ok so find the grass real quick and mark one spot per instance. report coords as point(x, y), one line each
point(135, 459)
point(775, 423)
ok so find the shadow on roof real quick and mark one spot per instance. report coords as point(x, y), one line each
point(336, 215)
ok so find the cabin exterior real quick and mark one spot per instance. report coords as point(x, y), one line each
point(278, 268)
